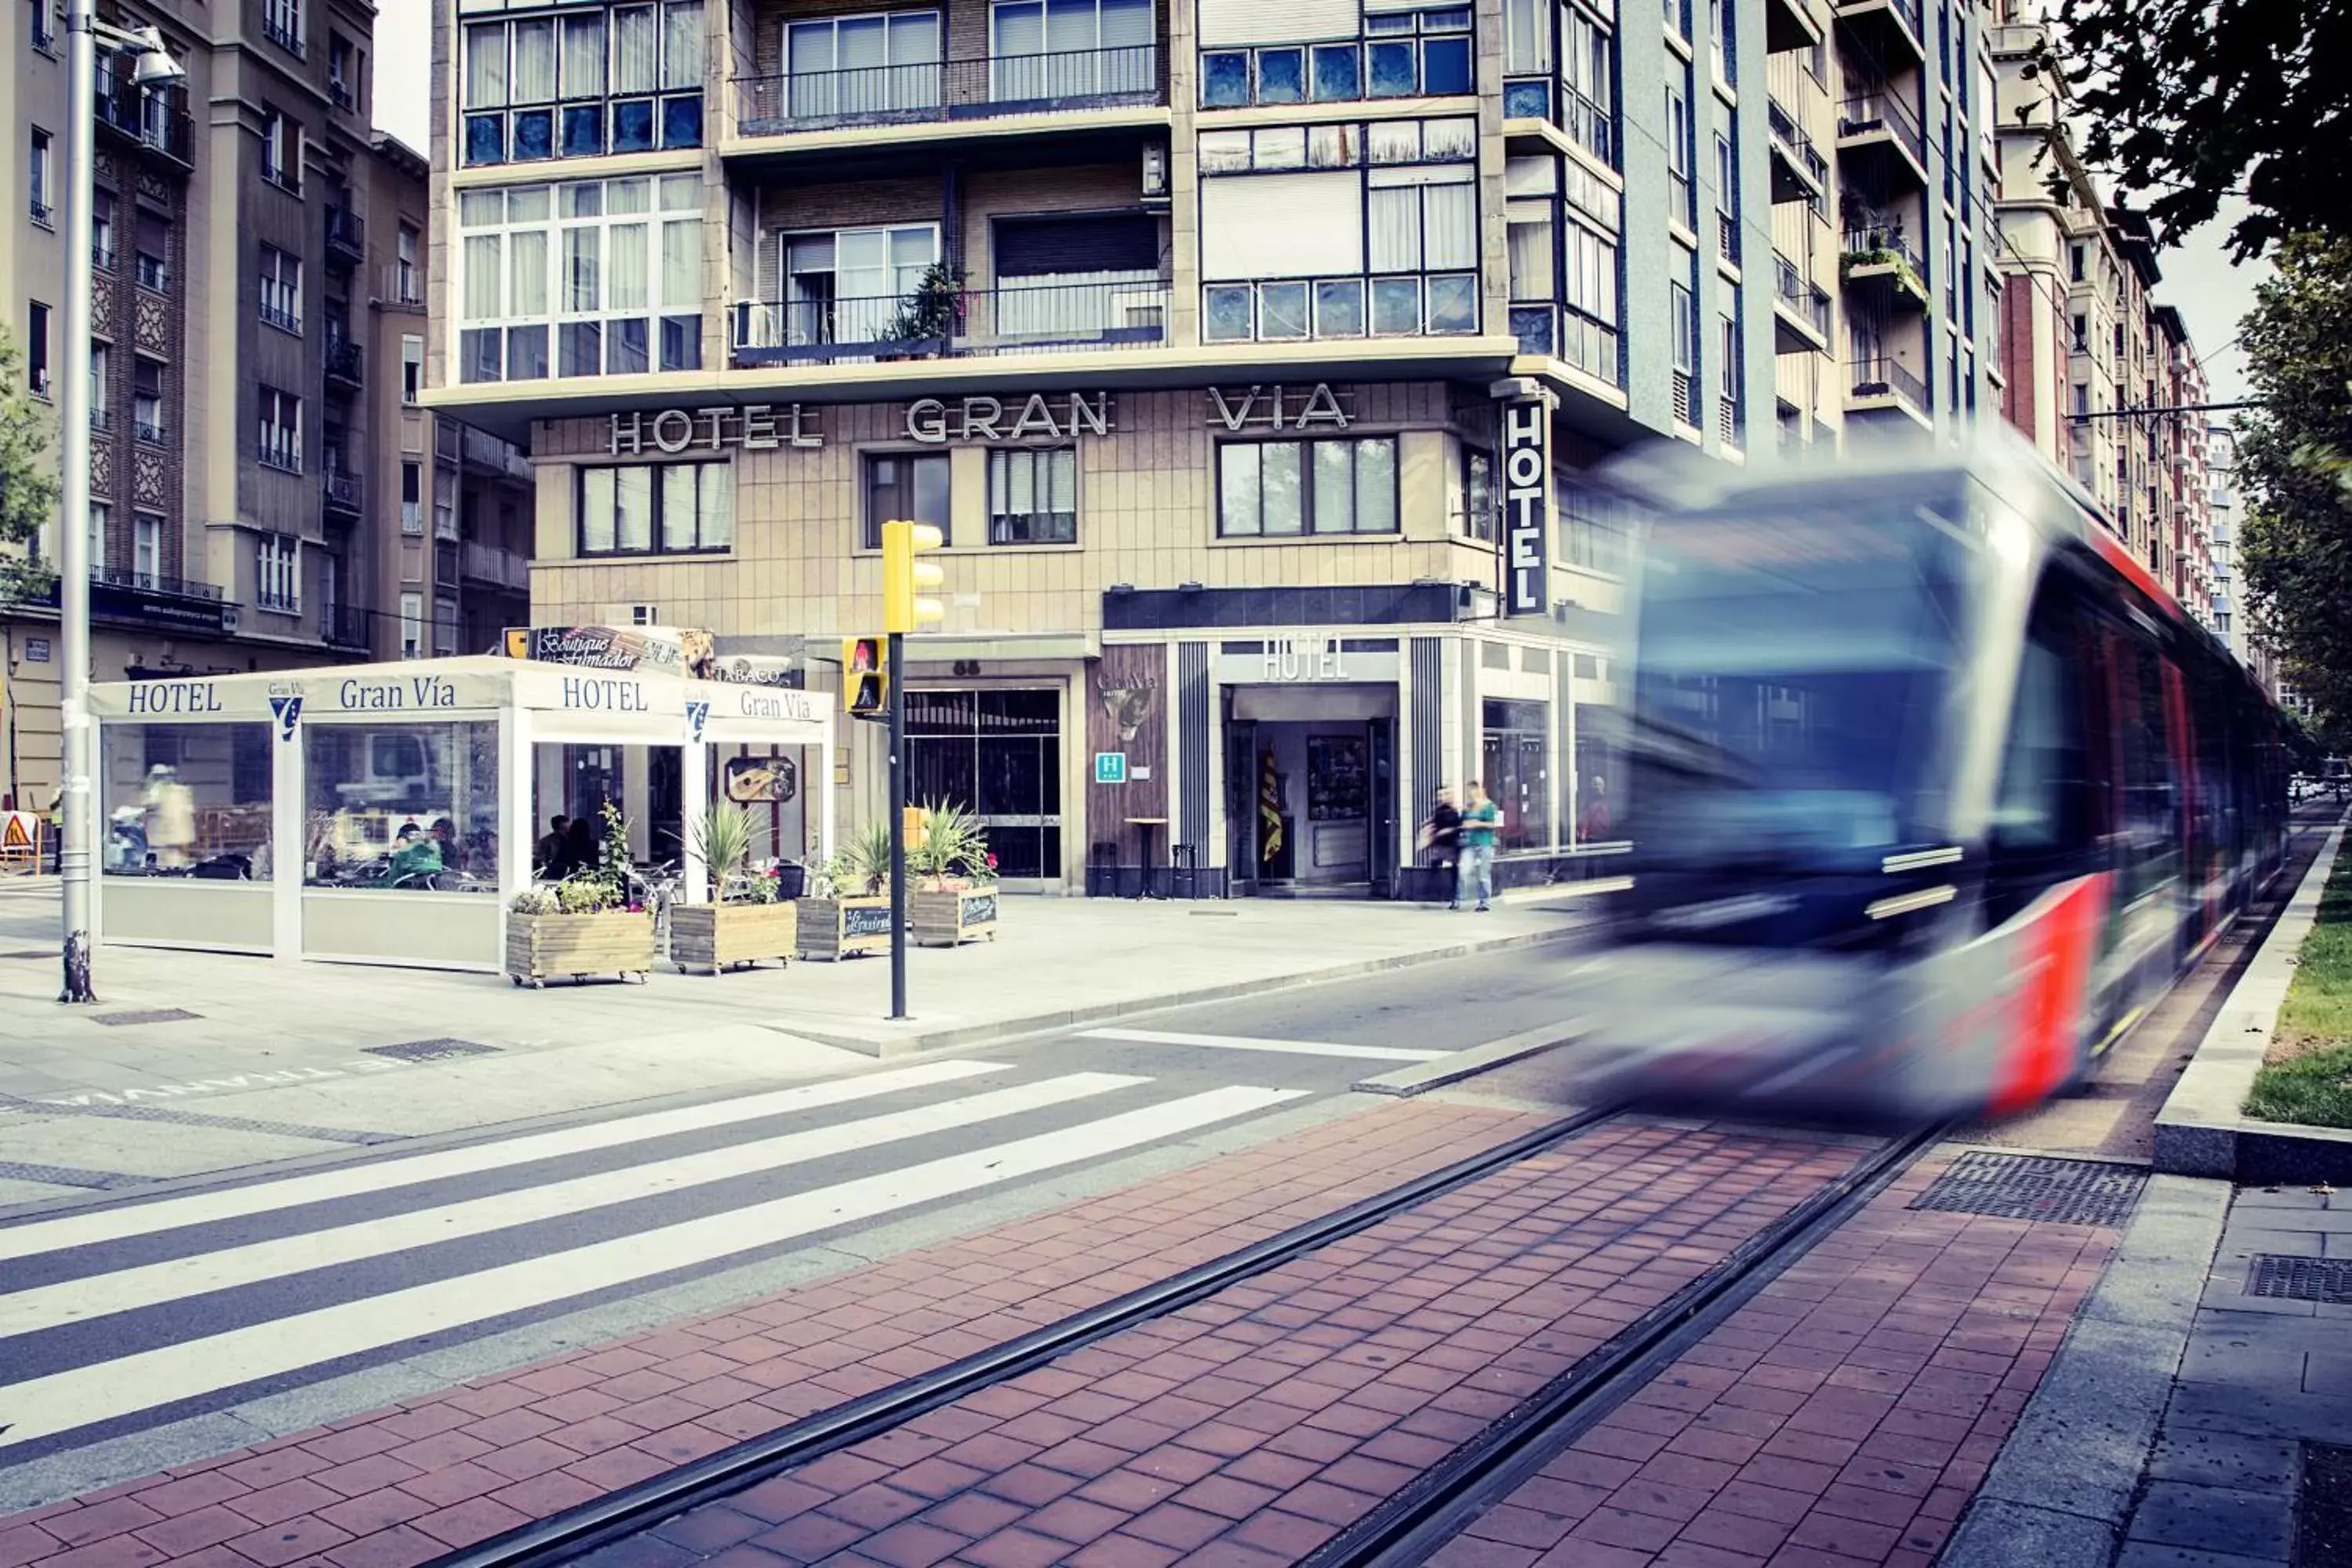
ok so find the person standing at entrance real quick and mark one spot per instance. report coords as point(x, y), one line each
point(1474, 873)
point(1440, 835)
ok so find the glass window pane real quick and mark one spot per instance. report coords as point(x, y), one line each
point(636, 49)
point(1281, 311)
point(583, 269)
point(718, 505)
point(634, 506)
point(1396, 305)
point(1282, 147)
point(1454, 304)
point(1449, 227)
point(627, 346)
point(534, 62)
point(1224, 80)
point(1395, 141)
point(581, 349)
point(486, 139)
point(632, 126)
point(682, 264)
point(526, 353)
point(1281, 76)
point(930, 498)
point(584, 57)
point(1375, 487)
point(1280, 465)
point(1335, 486)
point(1237, 488)
point(1333, 146)
point(1225, 152)
point(625, 285)
point(529, 204)
point(527, 264)
point(681, 343)
point(1394, 220)
point(481, 257)
point(681, 118)
point(478, 354)
point(1227, 310)
point(1338, 72)
point(486, 66)
point(183, 799)
point(1339, 309)
point(534, 135)
point(583, 131)
point(597, 509)
point(1392, 69)
point(682, 44)
point(679, 489)
point(625, 198)
point(1445, 67)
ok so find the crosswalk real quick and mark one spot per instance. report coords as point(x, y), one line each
point(119, 1317)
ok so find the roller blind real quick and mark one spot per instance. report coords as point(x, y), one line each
point(1282, 225)
point(1225, 22)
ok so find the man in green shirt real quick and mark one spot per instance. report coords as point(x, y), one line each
point(1474, 872)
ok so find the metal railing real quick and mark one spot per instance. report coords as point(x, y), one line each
point(1800, 293)
point(1038, 317)
point(279, 316)
point(495, 565)
point(1567, 334)
point(102, 418)
point(1867, 243)
point(1907, 9)
point(152, 117)
point(1879, 377)
point(345, 625)
point(949, 90)
point(284, 457)
point(152, 274)
point(1883, 109)
point(282, 31)
point(153, 583)
point(341, 490)
point(43, 214)
point(346, 233)
point(1789, 136)
point(344, 361)
point(101, 256)
point(148, 430)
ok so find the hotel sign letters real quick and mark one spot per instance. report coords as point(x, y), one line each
point(936, 421)
point(1306, 658)
point(1527, 471)
point(756, 428)
point(1277, 409)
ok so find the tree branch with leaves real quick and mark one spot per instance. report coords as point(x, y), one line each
point(28, 486)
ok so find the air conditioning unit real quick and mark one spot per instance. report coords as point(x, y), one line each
point(630, 615)
point(1155, 173)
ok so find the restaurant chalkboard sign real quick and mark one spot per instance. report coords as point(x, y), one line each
point(858, 921)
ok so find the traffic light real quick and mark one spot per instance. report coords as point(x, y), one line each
point(865, 677)
point(903, 609)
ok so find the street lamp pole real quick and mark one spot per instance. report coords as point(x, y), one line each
point(155, 70)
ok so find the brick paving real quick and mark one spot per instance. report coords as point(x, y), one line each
point(1841, 1418)
point(1253, 1426)
point(404, 1485)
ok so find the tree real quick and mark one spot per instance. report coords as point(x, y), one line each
point(29, 493)
point(2186, 101)
point(2298, 534)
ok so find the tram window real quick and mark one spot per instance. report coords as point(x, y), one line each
point(2042, 806)
point(2151, 821)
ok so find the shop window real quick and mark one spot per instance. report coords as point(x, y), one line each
point(1515, 767)
point(184, 800)
point(904, 486)
point(644, 507)
point(590, 278)
point(1287, 489)
point(406, 807)
point(1032, 496)
point(625, 78)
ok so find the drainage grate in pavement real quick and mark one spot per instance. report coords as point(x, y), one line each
point(431, 1050)
point(2327, 1279)
point(68, 1176)
point(150, 1016)
point(2324, 1519)
point(2032, 1186)
point(198, 1119)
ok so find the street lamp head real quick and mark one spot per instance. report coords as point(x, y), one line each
point(155, 66)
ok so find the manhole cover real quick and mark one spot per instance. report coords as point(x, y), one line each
point(432, 1050)
point(151, 1016)
point(2327, 1279)
point(2030, 1186)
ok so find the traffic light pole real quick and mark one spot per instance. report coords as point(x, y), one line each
point(897, 668)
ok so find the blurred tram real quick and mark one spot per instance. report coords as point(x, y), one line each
point(1933, 789)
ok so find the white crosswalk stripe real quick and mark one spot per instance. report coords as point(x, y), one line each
point(111, 1343)
point(1252, 1043)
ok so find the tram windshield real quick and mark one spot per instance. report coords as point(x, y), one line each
point(1797, 660)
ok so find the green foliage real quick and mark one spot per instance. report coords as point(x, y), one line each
point(28, 491)
point(533, 901)
point(929, 312)
point(722, 837)
point(2297, 540)
point(2186, 101)
point(861, 866)
point(954, 845)
point(2312, 1080)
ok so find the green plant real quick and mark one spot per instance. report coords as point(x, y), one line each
point(954, 843)
point(28, 492)
point(722, 837)
point(929, 312)
point(587, 893)
point(533, 901)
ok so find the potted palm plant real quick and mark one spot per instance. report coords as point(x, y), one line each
point(745, 921)
point(926, 316)
point(954, 897)
point(586, 923)
point(848, 907)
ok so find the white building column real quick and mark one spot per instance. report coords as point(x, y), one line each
point(290, 836)
point(694, 800)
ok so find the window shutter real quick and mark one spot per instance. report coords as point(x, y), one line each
point(1032, 247)
point(1225, 22)
point(1282, 225)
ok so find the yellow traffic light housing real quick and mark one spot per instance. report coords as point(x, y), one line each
point(865, 677)
point(904, 609)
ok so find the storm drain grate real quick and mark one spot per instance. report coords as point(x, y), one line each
point(2327, 1279)
point(149, 1015)
point(2030, 1186)
point(432, 1050)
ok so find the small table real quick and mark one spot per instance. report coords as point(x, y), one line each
point(1145, 827)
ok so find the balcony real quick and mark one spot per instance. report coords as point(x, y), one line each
point(1041, 318)
point(1801, 309)
point(341, 493)
point(1878, 258)
point(946, 91)
point(346, 235)
point(495, 566)
point(345, 625)
point(1880, 382)
point(149, 429)
point(153, 601)
point(101, 419)
point(1879, 135)
point(1559, 104)
point(1566, 334)
point(1800, 173)
point(152, 118)
point(1889, 31)
point(1789, 25)
point(344, 363)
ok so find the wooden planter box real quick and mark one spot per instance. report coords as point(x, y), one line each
point(835, 928)
point(611, 941)
point(720, 936)
point(947, 917)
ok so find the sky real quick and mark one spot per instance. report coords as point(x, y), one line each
point(2199, 279)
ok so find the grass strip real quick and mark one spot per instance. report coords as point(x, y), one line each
point(2308, 1076)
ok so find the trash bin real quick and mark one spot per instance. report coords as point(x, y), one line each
point(792, 879)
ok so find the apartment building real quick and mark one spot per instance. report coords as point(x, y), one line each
point(2184, 487)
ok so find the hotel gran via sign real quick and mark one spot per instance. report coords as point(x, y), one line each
point(937, 421)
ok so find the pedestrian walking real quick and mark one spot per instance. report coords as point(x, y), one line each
point(1441, 834)
point(1474, 872)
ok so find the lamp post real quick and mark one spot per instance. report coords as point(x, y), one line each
point(155, 70)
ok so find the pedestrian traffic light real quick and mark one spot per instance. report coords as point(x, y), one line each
point(865, 677)
point(903, 609)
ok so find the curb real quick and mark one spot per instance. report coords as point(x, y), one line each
point(2059, 1492)
point(2203, 1130)
point(966, 1036)
point(1422, 1077)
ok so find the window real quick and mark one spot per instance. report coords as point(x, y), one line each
point(281, 24)
point(626, 78)
point(147, 399)
point(101, 230)
point(45, 28)
point(278, 572)
point(638, 508)
point(153, 260)
point(405, 289)
point(281, 290)
point(1066, 49)
point(39, 188)
point(281, 152)
point(1681, 151)
point(1482, 503)
point(1588, 71)
point(1515, 765)
point(1423, 53)
point(595, 278)
point(279, 442)
point(412, 626)
point(852, 285)
point(37, 350)
point(2082, 333)
point(343, 72)
point(1683, 313)
point(845, 67)
point(147, 550)
point(1720, 46)
point(1727, 410)
point(2074, 261)
point(1726, 200)
point(1032, 496)
point(1286, 488)
point(905, 487)
point(412, 368)
point(412, 499)
point(101, 358)
point(445, 502)
point(101, 524)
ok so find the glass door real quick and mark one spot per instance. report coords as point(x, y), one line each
point(1240, 803)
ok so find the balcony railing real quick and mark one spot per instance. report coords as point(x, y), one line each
point(101, 419)
point(1559, 103)
point(150, 116)
point(346, 234)
point(1883, 109)
point(101, 256)
point(342, 491)
point(344, 361)
point(345, 625)
point(1808, 299)
point(153, 583)
point(495, 566)
point(949, 90)
point(1883, 377)
point(148, 430)
point(1040, 317)
point(1907, 9)
point(1877, 245)
point(43, 214)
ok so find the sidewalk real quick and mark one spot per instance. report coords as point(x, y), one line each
point(252, 1061)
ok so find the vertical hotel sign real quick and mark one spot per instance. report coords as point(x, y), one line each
point(1527, 507)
